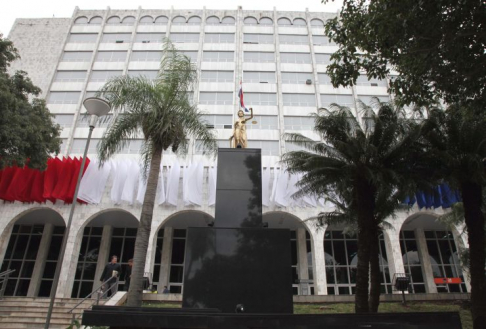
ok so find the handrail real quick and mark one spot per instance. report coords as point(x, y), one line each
point(98, 297)
point(3, 281)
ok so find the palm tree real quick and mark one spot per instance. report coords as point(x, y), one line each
point(457, 144)
point(161, 111)
point(361, 163)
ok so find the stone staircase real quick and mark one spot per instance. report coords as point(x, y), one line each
point(28, 312)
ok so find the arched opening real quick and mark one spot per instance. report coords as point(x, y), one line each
point(301, 250)
point(178, 20)
point(430, 255)
point(194, 20)
point(129, 20)
point(33, 251)
point(212, 20)
point(81, 20)
point(317, 23)
point(300, 22)
point(228, 20)
point(161, 20)
point(250, 21)
point(170, 243)
point(97, 20)
point(146, 20)
point(111, 232)
point(284, 22)
point(266, 21)
point(114, 20)
point(341, 258)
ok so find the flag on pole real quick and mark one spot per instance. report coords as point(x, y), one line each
point(240, 95)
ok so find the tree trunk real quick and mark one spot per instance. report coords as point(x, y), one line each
point(364, 198)
point(474, 218)
point(375, 274)
point(135, 292)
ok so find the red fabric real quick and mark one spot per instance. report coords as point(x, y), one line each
point(7, 176)
point(23, 193)
point(54, 166)
point(64, 179)
point(12, 189)
point(74, 180)
point(37, 188)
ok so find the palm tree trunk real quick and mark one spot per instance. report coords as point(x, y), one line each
point(474, 218)
point(375, 274)
point(364, 198)
point(135, 292)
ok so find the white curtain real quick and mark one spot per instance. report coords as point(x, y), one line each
point(173, 184)
point(266, 187)
point(94, 181)
point(212, 186)
point(131, 183)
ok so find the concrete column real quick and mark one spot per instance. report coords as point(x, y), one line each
point(70, 261)
point(319, 261)
point(302, 254)
point(281, 125)
point(166, 255)
point(40, 261)
point(393, 252)
point(423, 251)
point(5, 239)
point(103, 255)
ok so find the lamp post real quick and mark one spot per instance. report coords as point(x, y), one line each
point(96, 107)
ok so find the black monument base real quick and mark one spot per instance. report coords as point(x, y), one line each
point(146, 317)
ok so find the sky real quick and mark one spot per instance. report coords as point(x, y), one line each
point(10, 10)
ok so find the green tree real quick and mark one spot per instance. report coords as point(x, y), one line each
point(360, 164)
point(436, 47)
point(27, 133)
point(457, 151)
point(162, 112)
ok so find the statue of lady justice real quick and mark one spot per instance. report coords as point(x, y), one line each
point(239, 130)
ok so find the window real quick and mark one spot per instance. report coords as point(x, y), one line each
point(324, 79)
point(299, 123)
point(317, 23)
point(191, 54)
point(184, 37)
point(132, 146)
point(295, 58)
point(219, 98)
point(293, 39)
point(101, 76)
point(323, 59)
point(116, 37)
point(158, 259)
point(149, 37)
point(411, 261)
point(299, 100)
point(219, 38)
point(218, 121)
point(258, 57)
point(63, 97)
point(151, 75)
point(114, 20)
point(200, 149)
point(266, 21)
point(76, 56)
point(194, 20)
point(79, 144)
point(212, 20)
point(64, 120)
point(259, 77)
point(81, 21)
point(268, 147)
point(178, 20)
point(51, 262)
point(300, 22)
point(103, 122)
point(321, 40)
point(70, 76)
point(363, 81)
point(263, 122)
point(372, 100)
point(217, 76)
point(343, 100)
point(228, 21)
point(82, 38)
point(218, 56)
point(296, 77)
point(97, 20)
point(161, 20)
point(146, 20)
point(129, 20)
point(257, 38)
point(146, 56)
point(176, 273)
point(250, 21)
point(111, 56)
point(284, 22)
point(260, 99)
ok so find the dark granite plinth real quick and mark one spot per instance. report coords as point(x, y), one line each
point(225, 267)
point(127, 317)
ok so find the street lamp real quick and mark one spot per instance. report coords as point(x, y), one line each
point(96, 107)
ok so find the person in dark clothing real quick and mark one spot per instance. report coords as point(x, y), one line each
point(110, 272)
point(128, 274)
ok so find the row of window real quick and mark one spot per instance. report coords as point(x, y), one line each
point(208, 56)
point(196, 20)
point(248, 38)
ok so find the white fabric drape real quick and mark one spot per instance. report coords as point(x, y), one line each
point(266, 187)
point(94, 181)
point(119, 179)
point(142, 186)
point(131, 183)
point(193, 184)
point(173, 184)
point(212, 186)
point(161, 187)
point(281, 195)
point(276, 175)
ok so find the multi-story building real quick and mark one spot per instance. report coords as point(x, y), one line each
point(281, 57)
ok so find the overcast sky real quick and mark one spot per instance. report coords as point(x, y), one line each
point(12, 9)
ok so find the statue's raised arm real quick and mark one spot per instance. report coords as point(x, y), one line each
point(239, 139)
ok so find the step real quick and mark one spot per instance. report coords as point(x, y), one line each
point(31, 326)
point(35, 304)
point(10, 309)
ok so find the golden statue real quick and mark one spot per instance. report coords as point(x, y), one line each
point(239, 131)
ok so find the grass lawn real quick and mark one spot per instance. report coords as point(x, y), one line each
point(446, 306)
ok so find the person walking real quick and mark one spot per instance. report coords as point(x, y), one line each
point(128, 274)
point(109, 276)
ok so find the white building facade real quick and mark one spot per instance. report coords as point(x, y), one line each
point(281, 57)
